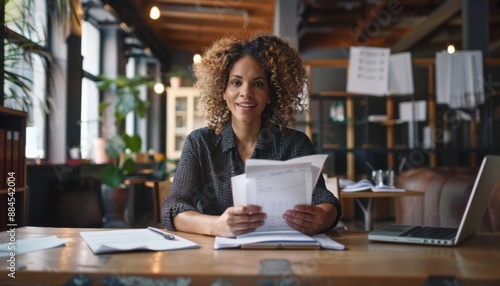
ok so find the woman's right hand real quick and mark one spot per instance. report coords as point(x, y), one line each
point(239, 220)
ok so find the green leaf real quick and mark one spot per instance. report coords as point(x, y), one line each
point(115, 146)
point(102, 107)
point(133, 142)
point(128, 166)
point(141, 108)
point(104, 84)
point(124, 104)
point(112, 176)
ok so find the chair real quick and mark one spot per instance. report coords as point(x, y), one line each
point(160, 192)
point(332, 184)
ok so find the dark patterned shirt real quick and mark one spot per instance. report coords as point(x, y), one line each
point(202, 181)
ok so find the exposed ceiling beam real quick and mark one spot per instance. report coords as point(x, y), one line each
point(369, 18)
point(198, 28)
point(131, 14)
point(222, 6)
point(427, 25)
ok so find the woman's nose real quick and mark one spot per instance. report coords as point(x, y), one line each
point(245, 91)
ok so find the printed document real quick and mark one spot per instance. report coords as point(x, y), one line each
point(368, 71)
point(277, 186)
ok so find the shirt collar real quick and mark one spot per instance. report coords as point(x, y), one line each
point(228, 141)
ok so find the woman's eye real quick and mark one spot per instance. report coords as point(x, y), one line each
point(235, 82)
point(259, 84)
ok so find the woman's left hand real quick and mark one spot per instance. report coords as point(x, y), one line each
point(308, 219)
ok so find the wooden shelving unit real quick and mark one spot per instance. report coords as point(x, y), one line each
point(356, 119)
point(356, 140)
point(182, 118)
point(13, 190)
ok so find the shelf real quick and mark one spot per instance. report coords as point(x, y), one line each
point(12, 151)
point(181, 122)
point(375, 141)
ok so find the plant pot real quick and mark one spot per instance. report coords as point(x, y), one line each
point(175, 82)
point(100, 156)
point(114, 206)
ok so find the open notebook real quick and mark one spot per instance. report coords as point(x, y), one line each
point(286, 239)
point(487, 180)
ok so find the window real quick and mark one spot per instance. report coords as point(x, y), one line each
point(25, 88)
point(90, 94)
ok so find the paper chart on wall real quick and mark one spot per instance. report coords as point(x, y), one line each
point(400, 74)
point(368, 70)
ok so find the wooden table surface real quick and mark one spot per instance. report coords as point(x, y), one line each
point(474, 262)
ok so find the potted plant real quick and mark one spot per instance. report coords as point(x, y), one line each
point(175, 77)
point(19, 51)
point(121, 146)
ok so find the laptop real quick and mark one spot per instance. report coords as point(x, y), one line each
point(487, 180)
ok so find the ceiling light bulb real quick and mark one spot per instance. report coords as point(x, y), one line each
point(159, 87)
point(450, 49)
point(197, 58)
point(154, 13)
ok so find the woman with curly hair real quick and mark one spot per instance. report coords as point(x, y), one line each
point(250, 94)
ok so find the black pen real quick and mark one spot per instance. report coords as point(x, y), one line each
point(164, 233)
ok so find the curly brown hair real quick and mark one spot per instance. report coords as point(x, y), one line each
point(286, 77)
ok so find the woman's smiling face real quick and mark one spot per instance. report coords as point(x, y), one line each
point(247, 91)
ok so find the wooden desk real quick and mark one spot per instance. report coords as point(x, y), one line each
point(474, 262)
point(368, 208)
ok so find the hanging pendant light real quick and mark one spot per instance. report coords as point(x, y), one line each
point(154, 13)
point(159, 87)
point(450, 49)
point(196, 58)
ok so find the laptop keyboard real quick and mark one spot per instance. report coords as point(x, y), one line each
point(431, 232)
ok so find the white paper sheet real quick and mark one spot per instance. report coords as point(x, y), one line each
point(361, 185)
point(31, 244)
point(413, 110)
point(368, 70)
point(389, 189)
point(277, 186)
point(459, 79)
point(400, 74)
point(107, 241)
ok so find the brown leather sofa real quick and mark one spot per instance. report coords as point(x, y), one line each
point(446, 193)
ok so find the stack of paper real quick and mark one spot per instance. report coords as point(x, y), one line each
point(386, 188)
point(107, 241)
point(277, 186)
point(278, 240)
